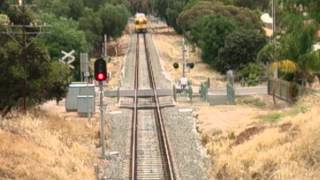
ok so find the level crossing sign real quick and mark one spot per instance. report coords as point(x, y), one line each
point(68, 58)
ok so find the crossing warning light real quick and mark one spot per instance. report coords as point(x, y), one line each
point(100, 69)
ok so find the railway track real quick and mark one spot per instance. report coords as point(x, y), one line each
point(150, 151)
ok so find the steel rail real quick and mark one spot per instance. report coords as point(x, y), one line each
point(164, 143)
point(134, 136)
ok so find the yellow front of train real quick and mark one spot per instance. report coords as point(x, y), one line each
point(140, 23)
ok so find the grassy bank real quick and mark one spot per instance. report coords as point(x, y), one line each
point(279, 146)
point(42, 146)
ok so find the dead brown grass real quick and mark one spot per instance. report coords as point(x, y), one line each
point(169, 45)
point(46, 146)
point(287, 149)
point(116, 63)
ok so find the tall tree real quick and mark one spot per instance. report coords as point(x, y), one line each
point(254, 4)
point(209, 34)
point(242, 16)
point(64, 35)
point(24, 71)
point(114, 19)
point(240, 48)
point(93, 29)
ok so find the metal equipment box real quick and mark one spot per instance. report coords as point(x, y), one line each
point(76, 89)
point(85, 105)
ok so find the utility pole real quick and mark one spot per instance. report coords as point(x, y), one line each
point(24, 30)
point(105, 45)
point(274, 19)
point(183, 58)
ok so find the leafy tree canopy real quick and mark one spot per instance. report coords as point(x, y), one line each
point(254, 4)
point(209, 34)
point(240, 48)
point(27, 71)
point(64, 35)
point(114, 19)
point(242, 16)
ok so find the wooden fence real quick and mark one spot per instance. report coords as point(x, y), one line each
point(285, 90)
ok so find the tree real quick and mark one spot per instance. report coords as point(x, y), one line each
point(253, 4)
point(93, 29)
point(240, 48)
point(14, 72)
point(114, 19)
point(143, 6)
point(25, 72)
point(58, 80)
point(57, 7)
point(242, 16)
point(173, 12)
point(297, 46)
point(64, 35)
point(209, 34)
point(311, 7)
point(161, 7)
point(76, 8)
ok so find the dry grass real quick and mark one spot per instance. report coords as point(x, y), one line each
point(116, 63)
point(42, 146)
point(169, 45)
point(286, 149)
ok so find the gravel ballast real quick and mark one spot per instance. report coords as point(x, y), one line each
point(190, 159)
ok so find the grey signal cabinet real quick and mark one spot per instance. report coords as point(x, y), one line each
point(85, 105)
point(76, 89)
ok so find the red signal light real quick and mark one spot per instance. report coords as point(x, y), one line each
point(101, 77)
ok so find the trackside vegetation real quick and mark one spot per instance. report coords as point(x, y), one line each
point(231, 35)
point(33, 74)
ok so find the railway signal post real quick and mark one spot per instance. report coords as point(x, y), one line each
point(100, 73)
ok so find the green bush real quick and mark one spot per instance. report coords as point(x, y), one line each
point(251, 74)
point(240, 48)
point(209, 34)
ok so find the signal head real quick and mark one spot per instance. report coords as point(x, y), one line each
point(100, 69)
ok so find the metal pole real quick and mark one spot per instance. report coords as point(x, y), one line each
point(91, 104)
point(105, 52)
point(105, 47)
point(103, 150)
point(183, 58)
